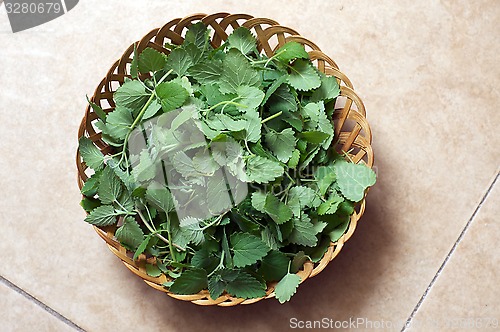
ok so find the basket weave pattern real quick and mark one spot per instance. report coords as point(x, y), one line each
point(352, 132)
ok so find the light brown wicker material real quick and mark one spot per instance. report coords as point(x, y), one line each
point(352, 132)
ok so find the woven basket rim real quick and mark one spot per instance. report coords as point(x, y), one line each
point(344, 140)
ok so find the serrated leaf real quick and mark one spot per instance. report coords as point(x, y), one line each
point(89, 204)
point(205, 259)
point(178, 238)
point(91, 155)
point(204, 163)
point(274, 266)
point(91, 185)
point(346, 208)
point(118, 122)
point(151, 110)
point(331, 205)
point(216, 286)
point(328, 90)
point(273, 87)
point(134, 66)
point(237, 283)
point(195, 53)
point(281, 143)
point(303, 197)
point(259, 150)
point(262, 170)
point(311, 113)
point(325, 176)
point(303, 232)
point(104, 215)
point(191, 230)
point(326, 126)
point(253, 126)
point(315, 137)
point(236, 72)
point(179, 61)
point(132, 94)
point(146, 168)
point(101, 125)
point(294, 159)
point(319, 226)
point(303, 76)
point(171, 95)
point(298, 261)
point(247, 249)
point(222, 122)
point(130, 234)
point(291, 51)
point(282, 100)
point(307, 158)
point(182, 117)
point(126, 202)
point(190, 282)
point(186, 84)
point(269, 238)
point(142, 247)
point(198, 35)
point(242, 40)
point(277, 210)
point(287, 287)
point(160, 197)
point(340, 230)
point(110, 187)
point(353, 179)
point(259, 201)
point(151, 60)
point(228, 152)
point(248, 96)
point(318, 252)
point(246, 286)
point(98, 110)
point(206, 72)
point(184, 164)
point(218, 198)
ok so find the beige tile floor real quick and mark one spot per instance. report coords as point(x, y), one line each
point(425, 255)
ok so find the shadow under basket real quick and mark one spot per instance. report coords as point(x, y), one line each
point(352, 132)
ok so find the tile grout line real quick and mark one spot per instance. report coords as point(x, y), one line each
point(33, 299)
point(452, 250)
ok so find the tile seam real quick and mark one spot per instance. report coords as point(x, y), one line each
point(39, 303)
point(450, 253)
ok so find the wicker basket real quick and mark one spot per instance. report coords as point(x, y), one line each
point(352, 132)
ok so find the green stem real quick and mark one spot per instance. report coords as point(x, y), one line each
point(131, 128)
point(290, 178)
point(225, 102)
point(275, 115)
point(121, 206)
point(248, 149)
point(266, 61)
point(346, 154)
point(220, 266)
point(155, 233)
point(165, 76)
point(218, 219)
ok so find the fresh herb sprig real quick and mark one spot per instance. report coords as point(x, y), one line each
point(264, 122)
